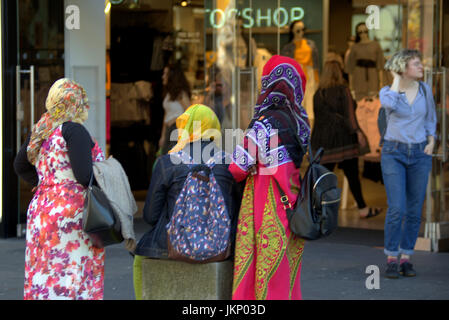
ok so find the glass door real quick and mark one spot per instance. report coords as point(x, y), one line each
point(230, 56)
point(40, 56)
point(437, 211)
point(427, 32)
point(241, 36)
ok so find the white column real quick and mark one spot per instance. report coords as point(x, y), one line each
point(85, 58)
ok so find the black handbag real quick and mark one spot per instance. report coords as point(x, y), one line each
point(100, 221)
point(316, 212)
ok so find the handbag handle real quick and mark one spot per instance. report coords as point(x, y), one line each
point(91, 179)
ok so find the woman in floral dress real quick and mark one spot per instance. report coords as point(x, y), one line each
point(60, 260)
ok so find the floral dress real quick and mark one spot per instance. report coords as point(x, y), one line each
point(60, 261)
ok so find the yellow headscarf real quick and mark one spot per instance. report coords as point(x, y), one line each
point(66, 101)
point(197, 122)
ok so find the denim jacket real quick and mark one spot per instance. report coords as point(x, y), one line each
point(166, 184)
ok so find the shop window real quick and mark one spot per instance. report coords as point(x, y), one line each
point(241, 36)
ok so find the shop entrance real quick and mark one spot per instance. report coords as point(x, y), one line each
point(52, 41)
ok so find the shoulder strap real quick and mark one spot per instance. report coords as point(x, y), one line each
point(284, 198)
point(313, 158)
point(289, 118)
point(91, 179)
point(185, 158)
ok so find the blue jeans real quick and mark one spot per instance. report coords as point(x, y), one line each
point(405, 170)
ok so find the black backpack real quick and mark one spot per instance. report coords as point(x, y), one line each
point(382, 118)
point(316, 212)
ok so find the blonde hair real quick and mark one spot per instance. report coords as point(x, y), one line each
point(398, 62)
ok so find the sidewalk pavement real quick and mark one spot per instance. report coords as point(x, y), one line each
point(333, 268)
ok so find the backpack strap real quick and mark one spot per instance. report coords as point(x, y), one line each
point(284, 198)
point(312, 158)
point(207, 167)
point(288, 117)
point(185, 158)
point(217, 156)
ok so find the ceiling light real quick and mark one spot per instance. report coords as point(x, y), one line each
point(184, 3)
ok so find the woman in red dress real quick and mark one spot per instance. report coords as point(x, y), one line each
point(268, 255)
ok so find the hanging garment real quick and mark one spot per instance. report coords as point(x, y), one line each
point(366, 113)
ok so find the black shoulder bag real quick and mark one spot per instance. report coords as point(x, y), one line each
point(100, 222)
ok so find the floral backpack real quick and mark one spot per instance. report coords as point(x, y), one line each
point(199, 230)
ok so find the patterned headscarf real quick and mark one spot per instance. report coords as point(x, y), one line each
point(66, 101)
point(283, 85)
point(197, 122)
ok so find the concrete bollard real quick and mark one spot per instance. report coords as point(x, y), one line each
point(176, 280)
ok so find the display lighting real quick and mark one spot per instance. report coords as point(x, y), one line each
point(184, 3)
point(108, 7)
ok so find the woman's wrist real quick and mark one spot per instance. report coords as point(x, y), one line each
point(395, 85)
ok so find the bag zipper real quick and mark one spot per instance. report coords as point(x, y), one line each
point(330, 202)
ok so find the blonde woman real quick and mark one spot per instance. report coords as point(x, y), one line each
point(60, 260)
point(406, 156)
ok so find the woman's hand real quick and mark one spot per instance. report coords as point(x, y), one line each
point(395, 75)
point(428, 149)
point(396, 80)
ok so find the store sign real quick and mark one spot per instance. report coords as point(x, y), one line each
point(117, 2)
point(278, 17)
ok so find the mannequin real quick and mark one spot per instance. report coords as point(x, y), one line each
point(245, 55)
point(233, 48)
point(365, 65)
point(304, 51)
point(236, 51)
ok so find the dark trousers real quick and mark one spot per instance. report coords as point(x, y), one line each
point(350, 168)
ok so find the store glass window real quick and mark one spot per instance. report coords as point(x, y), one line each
point(41, 44)
point(40, 53)
point(241, 36)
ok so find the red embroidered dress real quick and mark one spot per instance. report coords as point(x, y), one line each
point(268, 255)
point(60, 261)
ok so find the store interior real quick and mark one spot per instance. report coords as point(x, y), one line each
point(143, 36)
